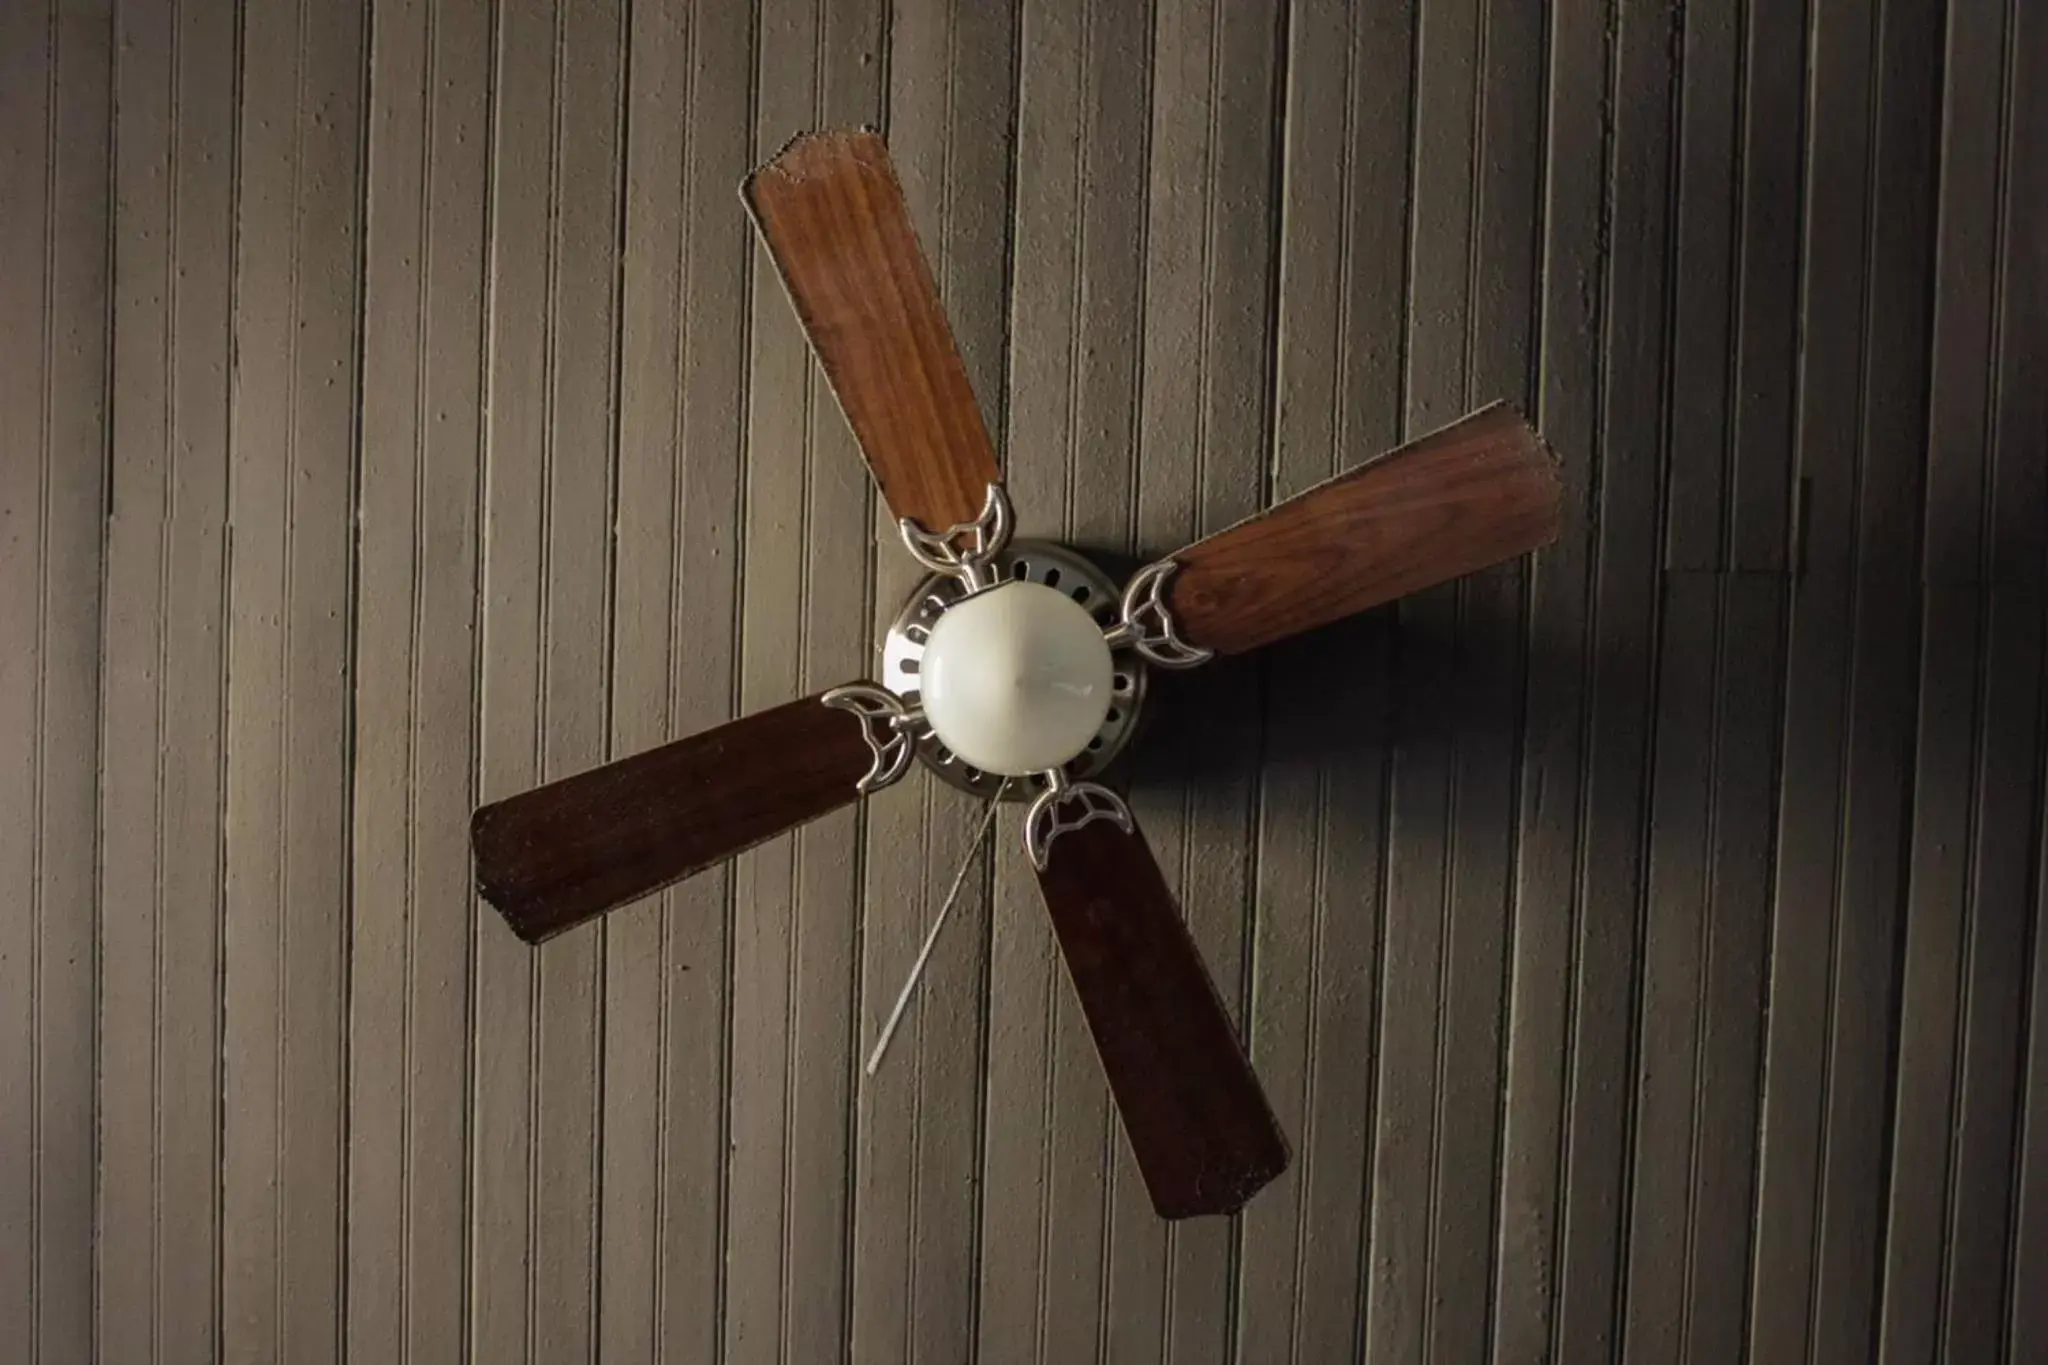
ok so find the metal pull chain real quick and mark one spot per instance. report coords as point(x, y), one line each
point(932, 935)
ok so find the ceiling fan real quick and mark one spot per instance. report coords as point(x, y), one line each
point(1018, 664)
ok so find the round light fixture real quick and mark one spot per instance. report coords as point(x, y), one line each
point(1015, 679)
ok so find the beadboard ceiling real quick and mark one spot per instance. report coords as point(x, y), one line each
point(1640, 944)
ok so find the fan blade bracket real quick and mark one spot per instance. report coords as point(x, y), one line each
point(988, 536)
point(1145, 622)
point(887, 725)
point(1065, 806)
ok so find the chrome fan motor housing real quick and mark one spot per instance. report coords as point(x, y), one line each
point(1053, 566)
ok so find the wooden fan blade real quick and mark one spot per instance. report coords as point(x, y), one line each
point(1479, 491)
point(558, 855)
point(833, 217)
point(1199, 1125)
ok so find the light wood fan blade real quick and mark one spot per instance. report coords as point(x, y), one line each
point(1201, 1130)
point(1479, 491)
point(558, 855)
point(832, 215)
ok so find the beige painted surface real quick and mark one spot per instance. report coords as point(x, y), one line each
point(1642, 945)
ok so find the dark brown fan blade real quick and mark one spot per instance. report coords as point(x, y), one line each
point(558, 855)
point(1199, 1125)
point(1481, 490)
point(833, 217)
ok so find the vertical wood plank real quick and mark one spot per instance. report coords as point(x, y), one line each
point(1486, 692)
point(1775, 137)
point(292, 447)
point(1832, 249)
point(580, 452)
point(1209, 286)
point(28, 151)
point(2002, 854)
point(1537, 1130)
point(567, 240)
point(1951, 688)
point(1338, 385)
point(1672, 1011)
point(1633, 389)
point(54, 399)
point(1668, 1025)
point(805, 608)
point(680, 403)
point(415, 683)
point(1936, 925)
point(552, 382)
point(1458, 683)
point(510, 712)
point(2022, 424)
point(1670, 1043)
point(1878, 781)
point(1988, 1284)
point(162, 801)
point(951, 100)
point(1735, 944)
point(1756, 488)
point(1810, 806)
point(1405, 1214)
point(1052, 1141)
point(1703, 319)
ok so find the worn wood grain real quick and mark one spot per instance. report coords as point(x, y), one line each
point(554, 857)
point(1447, 504)
point(1201, 1130)
point(833, 216)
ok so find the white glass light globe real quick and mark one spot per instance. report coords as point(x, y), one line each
point(1015, 679)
